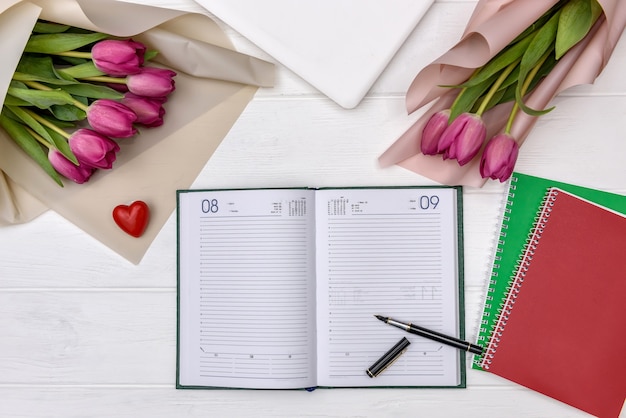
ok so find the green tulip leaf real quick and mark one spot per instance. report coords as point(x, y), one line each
point(14, 101)
point(150, 54)
point(57, 43)
point(61, 144)
point(26, 116)
point(18, 76)
point(534, 112)
point(542, 42)
point(508, 95)
point(537, 53)
point(510, 88)
point(72, 60)
point(60, 123)
point(67, 113)
point(29, 144)
point(40, 98)
point(93, 91)
point(32, 68)
point(539, 22)
point(467, 98)
point(577, 18)
point(49, 27)
point(499, 62)
point(502, 94)
point(83, 70)
point(495, 99)
point(17, 84)
point(511, 79)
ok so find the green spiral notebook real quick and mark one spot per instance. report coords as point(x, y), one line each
point(525, 196)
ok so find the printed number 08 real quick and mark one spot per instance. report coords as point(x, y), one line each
point(429, 202)
point(209, 206)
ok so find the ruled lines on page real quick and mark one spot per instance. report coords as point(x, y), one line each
point(390, 252)
point(250, 281)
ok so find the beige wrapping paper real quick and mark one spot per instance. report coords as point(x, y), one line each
point(492, 26)
point(213, 86)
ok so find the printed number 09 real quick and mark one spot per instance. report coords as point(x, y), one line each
point(209, 206)
point(429, 202)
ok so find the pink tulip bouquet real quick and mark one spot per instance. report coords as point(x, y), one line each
point(491, 87)
point(75, 93)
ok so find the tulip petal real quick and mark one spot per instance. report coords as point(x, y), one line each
point(112, 118)
point(152, 82)
point(463, 138)
point(118, 58)
point(432, 132)
point(93, 149)
point(77, 173)
point(499, 157)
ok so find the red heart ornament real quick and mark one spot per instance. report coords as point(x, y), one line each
point(132, 219)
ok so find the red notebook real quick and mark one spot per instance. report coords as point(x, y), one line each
point(562, 331)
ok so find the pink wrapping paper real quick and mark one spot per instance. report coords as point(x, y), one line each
point(491, 27)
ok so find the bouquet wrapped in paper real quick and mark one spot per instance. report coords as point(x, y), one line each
point(213, 84)
point(489, 89)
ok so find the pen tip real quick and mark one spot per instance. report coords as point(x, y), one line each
point(380, 317)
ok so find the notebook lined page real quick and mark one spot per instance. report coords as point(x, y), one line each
point(247, 289)
point(391, 252)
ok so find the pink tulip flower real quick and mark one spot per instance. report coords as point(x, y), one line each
point(118, 57)
point(77, 173)
point(149, 110)
point(111, 118)
point(151, 82)
point(93, 149)
point(463, 138)
point(499, 157)
point(433, 129)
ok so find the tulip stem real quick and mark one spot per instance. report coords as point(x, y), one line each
point(75, 54)
point(496, 85)
point(105, 79)
point(458, 96)
point(525, 86)
point(40, 139)
point(43, 87)
point(47, 123)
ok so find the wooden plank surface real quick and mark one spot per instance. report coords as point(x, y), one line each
point(85, 333)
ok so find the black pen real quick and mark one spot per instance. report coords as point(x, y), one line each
point(433, 335)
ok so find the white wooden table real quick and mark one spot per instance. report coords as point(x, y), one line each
point(85, 333)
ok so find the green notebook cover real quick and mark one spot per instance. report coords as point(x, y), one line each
point(523, 201)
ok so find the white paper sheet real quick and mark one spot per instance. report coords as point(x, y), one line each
point(353, 40)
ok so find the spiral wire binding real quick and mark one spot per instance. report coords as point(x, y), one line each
point(494, 267)
point(516, 281)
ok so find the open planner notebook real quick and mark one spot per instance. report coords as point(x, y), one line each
point(554, 315)
point(278, 288)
